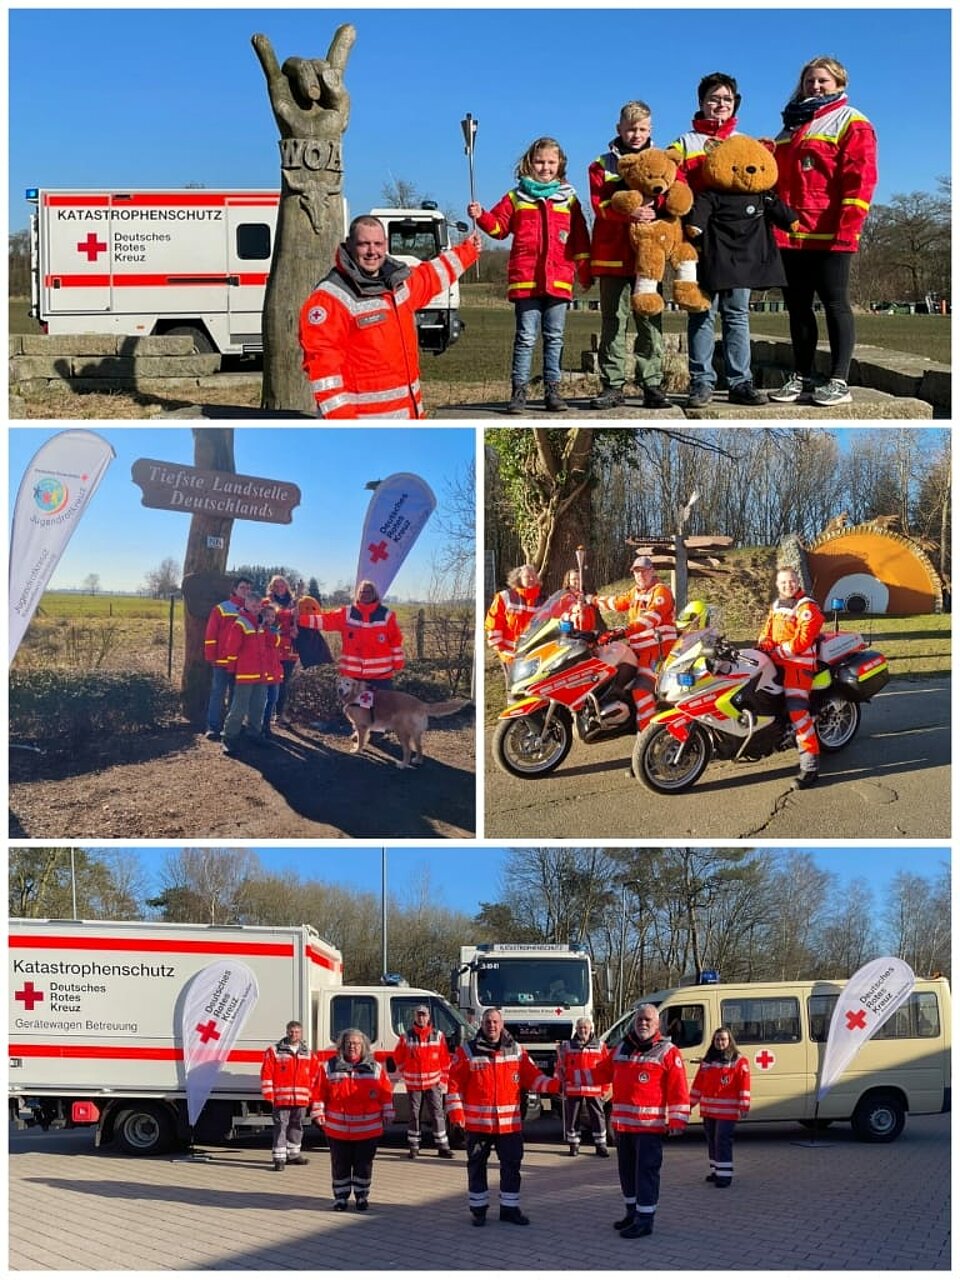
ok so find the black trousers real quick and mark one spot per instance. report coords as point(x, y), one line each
point(639, 1157)
point(509, 1149)
point(826, 275)
point(719, 1135)
point(351, 1167)
point(574, 1110)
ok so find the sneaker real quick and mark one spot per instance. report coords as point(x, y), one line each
point(231, 749)
point(515, 1216)
point(653, 398)
point(554, 401)
point(699, 396)
point(609, 398)
point(745, 393)
point(835, 391)
point(791, 391)
point(518, 398)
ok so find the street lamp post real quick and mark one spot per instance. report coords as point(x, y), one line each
point(624, 886)
point(383, 910)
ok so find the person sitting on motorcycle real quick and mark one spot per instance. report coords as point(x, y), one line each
point(510, 613)
point(789, 636)
point(650, 631)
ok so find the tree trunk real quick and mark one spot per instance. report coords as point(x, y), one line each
point(212, 451)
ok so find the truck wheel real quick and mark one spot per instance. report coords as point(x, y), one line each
point(144, 1130)
point(202, 346)
point(878, 1117)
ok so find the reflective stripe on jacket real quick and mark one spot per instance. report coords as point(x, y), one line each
point(360, 353)
point(722, 1089)
point(423, 1058)
point(828, 174)
point(691, 147)
point(352, 1101)
point(287, 1073)
point(551, 242)
point(576, 1063)
point(485, 1088)
point(247, 646)
point(508, 617)
point(219, 621)
point(793, 627)
point(649, 1087)
point(651, 619)
point(371, 639)
point(611, 252)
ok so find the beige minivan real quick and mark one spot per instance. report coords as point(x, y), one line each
point(781, 1027)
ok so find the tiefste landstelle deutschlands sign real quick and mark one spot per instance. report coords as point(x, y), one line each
point(170, 486)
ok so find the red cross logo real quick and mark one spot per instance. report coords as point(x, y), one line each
point(91, 247)
point(558, 1010)
point(857, 1021)
point(378, 551)
point(208, 1031)
point(29, 996)
point(765, 1060)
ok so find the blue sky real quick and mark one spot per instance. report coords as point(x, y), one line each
point(167, 97)
point(121, 540)
point(460, 879)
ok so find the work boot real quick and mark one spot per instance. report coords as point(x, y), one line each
point(554, 401)
point(609, 398)
point(699, 396)
point(515, 1216)
point(603, 1153)
point(279, 1165)
point(805, 779)
point(298, 1160)
point(722, 1182)
point(412, 1153)
point(574, 1148)
point(363, 1205)
point(479, 1217)
point(444, 1153)
point(653, 398)
point(339, 1206)
point(639, 1227)
point(624, 1222)
point(745, 393)
point(711, 1177)
point(518, 398)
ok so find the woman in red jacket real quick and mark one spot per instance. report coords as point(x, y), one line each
point(352, 1101)
point(722, 1089)
point(827, 159)
point(551, 244)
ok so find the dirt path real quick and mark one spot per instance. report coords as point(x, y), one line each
point(178, 784)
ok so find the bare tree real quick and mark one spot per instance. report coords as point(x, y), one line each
point(164, 580)
point(205, 886)
point(91, 583)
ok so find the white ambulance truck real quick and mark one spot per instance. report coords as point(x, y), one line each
point(191, 262)
point(541, 989)
point(781, 1027)
point(94, 1023)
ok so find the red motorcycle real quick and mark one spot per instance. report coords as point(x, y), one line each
point(562, 685)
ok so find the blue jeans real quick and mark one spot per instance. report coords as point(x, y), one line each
point(734, 308)
point(273, 691)
point(220, 685)
point(534, 315)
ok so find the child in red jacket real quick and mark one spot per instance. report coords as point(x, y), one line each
point(551, 244)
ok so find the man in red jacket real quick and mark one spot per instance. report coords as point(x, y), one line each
point(650, 1100)
point(358, 328)
point(486, 1077)
point(424, 1061)
point(286, 1081)
point(219, 622)
point(371, 638)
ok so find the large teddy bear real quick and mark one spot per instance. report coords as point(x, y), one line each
point(651, 177)
point(732, 219)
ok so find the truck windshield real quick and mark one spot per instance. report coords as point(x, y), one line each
point(408, 239)
point(507, 981)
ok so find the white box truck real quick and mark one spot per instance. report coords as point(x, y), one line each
point(94, 1023)
point(541, 989)
point(191, 262)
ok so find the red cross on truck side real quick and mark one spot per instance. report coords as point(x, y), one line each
point(765, 1060)
point(30, 996)
point(857, 1021)
point(378, 551)
point(92, 247)
point(208, 1031)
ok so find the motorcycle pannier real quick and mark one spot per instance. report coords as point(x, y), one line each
point(865, 674)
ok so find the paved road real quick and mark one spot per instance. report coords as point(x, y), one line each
point(892, 782)
point(792, 1207)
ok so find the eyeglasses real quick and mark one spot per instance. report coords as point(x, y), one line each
point(721, 102)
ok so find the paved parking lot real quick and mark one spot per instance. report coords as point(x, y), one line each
point(838, 1204)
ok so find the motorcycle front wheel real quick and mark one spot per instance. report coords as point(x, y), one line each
point(665, 765)
point(837, 721)
point(521, 748)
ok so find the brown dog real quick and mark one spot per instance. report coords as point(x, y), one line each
point(391, 712)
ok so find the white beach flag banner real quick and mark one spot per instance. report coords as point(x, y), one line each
point(60, 479)
point(215, 1008)
point(872, 995)
point(401, 505)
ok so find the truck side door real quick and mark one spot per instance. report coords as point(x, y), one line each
point(250, 226)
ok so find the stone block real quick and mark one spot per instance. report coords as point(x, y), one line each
point(15, 344)
point(139, 368)
point(27, 366)
point(69, 344)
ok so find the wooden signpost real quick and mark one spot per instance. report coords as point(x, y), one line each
point(214, 495)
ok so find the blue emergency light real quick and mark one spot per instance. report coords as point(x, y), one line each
point(686, 680)
point(32, 193)
point(837, 603)
point(709, 976)
point(566, 626)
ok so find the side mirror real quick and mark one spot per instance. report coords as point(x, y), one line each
point(463, 226)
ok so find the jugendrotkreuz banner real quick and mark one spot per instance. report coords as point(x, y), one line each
point(872, 995)
point(217, 1004)
point(60, 479)
point(401, 505)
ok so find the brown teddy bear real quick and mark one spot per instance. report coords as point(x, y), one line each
point(732, 219)
point(651, 177)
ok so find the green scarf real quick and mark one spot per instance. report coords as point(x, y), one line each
point(539, 190)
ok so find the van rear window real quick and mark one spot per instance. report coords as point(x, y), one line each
point(762, 1020)
point(917, 1019)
